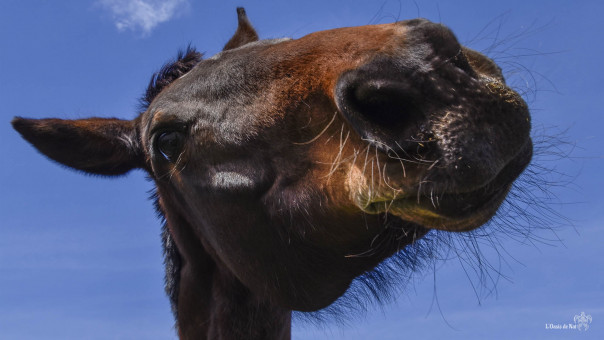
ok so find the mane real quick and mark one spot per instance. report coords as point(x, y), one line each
point(172, 70)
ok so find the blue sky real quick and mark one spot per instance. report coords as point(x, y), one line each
point(80, 256)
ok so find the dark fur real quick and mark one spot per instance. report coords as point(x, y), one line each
point(172, 70)
point(101, 146)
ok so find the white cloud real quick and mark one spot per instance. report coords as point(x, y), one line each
point(143, 15)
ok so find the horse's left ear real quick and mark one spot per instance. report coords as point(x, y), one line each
point(245, 32)
point(103, 146)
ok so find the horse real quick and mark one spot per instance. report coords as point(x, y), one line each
point(285, 169)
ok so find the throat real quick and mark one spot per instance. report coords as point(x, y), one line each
point(209, 301)
point(221, 307)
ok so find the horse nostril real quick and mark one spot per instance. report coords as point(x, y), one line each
point(461, 61)
point(392, 98)
point(382, 110)
point(385, 103)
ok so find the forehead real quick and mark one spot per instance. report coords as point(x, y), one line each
point(242, 76)
point(212, 82)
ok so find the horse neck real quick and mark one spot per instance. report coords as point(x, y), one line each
point(239, 314)
point(213, 304)
point(227, 310)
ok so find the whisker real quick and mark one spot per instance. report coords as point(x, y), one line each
point(338, 159)
point(320, 133)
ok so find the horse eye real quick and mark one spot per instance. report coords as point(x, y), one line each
point(169, 144)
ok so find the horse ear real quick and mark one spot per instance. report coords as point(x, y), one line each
point(104, 146)
point(245, 32)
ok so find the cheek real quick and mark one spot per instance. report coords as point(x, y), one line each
point(232, 225)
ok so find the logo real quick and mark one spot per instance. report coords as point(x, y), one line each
point(583, 321)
